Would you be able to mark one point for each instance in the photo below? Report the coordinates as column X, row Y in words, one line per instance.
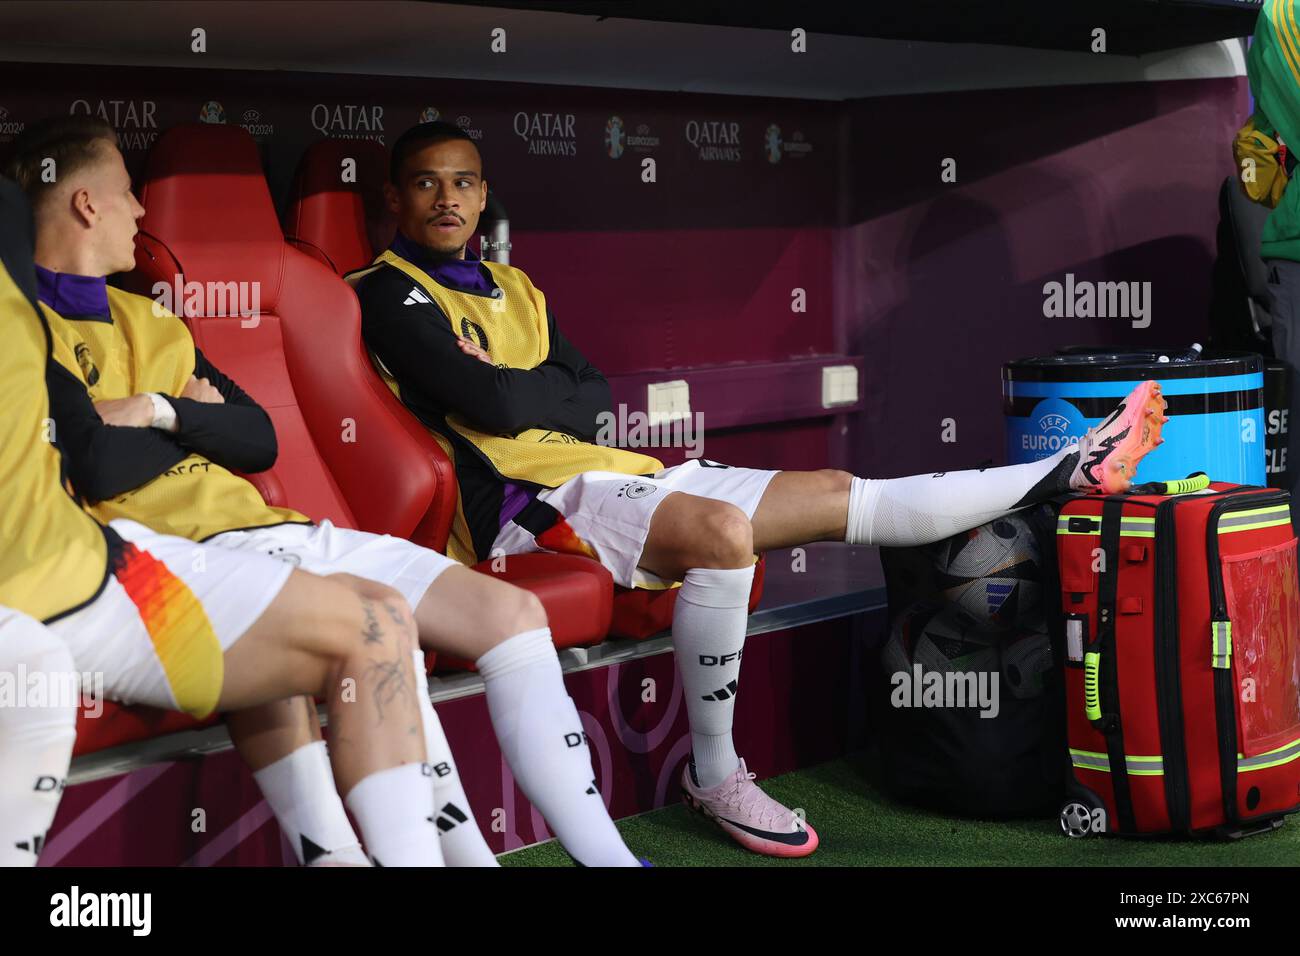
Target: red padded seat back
column 336, row 210
column 345, row 451
column 340, row 222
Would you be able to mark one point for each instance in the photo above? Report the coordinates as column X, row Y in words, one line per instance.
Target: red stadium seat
column 353, row 454
column 336, row 221
column 639, row 614
column 210, row 221
column 340, row 429
column 119, row 725
column 336, row 210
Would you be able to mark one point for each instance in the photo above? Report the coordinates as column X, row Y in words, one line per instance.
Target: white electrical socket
column 839, row 385
column 668, row 401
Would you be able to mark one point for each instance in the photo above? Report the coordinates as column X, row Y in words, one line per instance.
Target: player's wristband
column 164, row 416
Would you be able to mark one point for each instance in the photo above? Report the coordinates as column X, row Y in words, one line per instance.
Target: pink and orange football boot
column 1109, row 453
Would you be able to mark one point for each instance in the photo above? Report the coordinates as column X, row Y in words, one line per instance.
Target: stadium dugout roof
column 859, row 48
column 1134, row 26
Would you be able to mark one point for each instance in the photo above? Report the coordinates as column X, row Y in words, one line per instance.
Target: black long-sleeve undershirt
column 104, row 461
column 417, row 344
column 235, row 434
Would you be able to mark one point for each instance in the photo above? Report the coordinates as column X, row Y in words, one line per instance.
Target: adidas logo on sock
column 416, row 297
column 311, row 852
column 34, row 845
column 449, row 817
column 722, row 693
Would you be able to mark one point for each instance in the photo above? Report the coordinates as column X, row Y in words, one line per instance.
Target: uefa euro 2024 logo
column 772, row 143
column 212, row 112
column 1053, row 424
column 614, row 138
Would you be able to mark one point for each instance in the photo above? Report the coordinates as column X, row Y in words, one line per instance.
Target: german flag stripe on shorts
column 183, row 637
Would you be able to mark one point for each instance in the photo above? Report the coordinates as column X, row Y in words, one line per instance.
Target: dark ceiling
column 1132, row 26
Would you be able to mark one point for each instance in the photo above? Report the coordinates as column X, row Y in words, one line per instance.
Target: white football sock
column 708, row 637
column 462, row 840
column 921, row 509
column 394, row 809
column 300, row 789
column 35, row 741
column 542, row 739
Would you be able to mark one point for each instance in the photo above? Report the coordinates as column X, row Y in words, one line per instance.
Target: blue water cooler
column 1216, row 409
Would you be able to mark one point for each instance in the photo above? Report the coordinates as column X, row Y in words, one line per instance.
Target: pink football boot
column 748, row 815
column 1109, row 453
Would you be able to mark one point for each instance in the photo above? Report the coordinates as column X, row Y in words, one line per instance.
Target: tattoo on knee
column 392, row 682
column 370, row 630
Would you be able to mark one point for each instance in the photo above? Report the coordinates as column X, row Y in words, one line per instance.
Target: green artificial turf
column 859, row 826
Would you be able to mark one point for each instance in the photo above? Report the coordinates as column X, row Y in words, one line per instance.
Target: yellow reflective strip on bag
column 1089, row 760
column 1145, row 766
column 1139, row 766
column 1273, row 758
column 1254, row 519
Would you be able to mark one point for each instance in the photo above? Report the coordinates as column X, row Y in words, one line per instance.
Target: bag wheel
column 1076, row 820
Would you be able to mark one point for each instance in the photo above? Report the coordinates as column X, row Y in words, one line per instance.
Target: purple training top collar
column 470, row 275
column 467, row 274
column 73, row 296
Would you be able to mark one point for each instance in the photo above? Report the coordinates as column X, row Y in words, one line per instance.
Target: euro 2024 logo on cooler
column 1052, row 425
column 772, row 143
column 212, row 112
column 614, row 138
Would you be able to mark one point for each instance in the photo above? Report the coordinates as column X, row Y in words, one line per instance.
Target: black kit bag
column 950, row 758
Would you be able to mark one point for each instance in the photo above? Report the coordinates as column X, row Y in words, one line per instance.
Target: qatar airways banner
column 559, row 157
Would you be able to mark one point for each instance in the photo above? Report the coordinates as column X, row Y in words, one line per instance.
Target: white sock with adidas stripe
column 708, row 637
column 462, row 840
column 541, row 737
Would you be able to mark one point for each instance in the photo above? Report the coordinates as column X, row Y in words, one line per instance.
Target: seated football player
column 37, row 730
column 152, row 430
column 198, row 629
column 474, row 350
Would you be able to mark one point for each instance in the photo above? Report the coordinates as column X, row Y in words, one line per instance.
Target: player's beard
column 456, row 253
